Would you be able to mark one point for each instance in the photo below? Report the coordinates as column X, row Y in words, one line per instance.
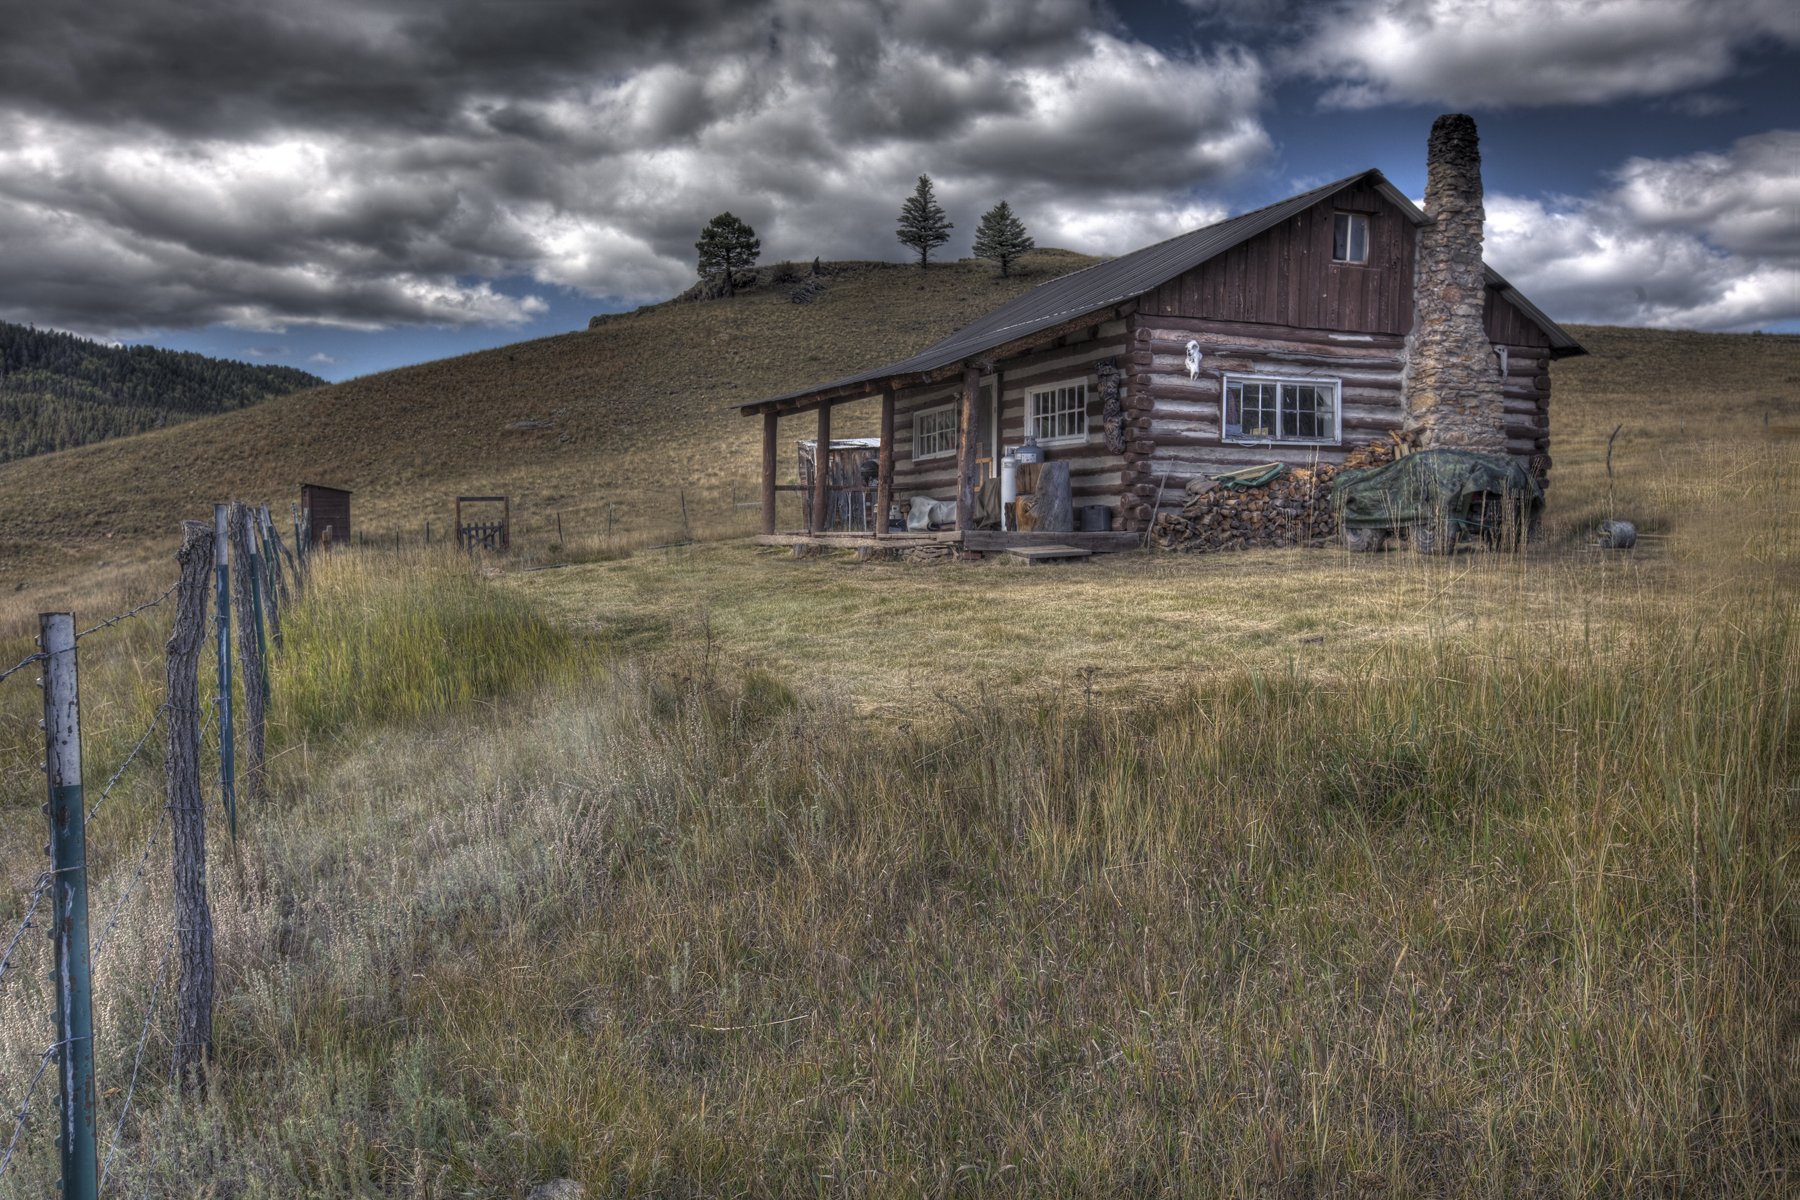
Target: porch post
column 965, row 449
column 822, row 470
column 768, row 475
column 884, row 480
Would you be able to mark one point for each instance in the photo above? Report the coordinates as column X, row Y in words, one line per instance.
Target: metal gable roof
column 1125, row 278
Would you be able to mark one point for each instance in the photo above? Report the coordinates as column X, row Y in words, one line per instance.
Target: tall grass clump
column 375, row 641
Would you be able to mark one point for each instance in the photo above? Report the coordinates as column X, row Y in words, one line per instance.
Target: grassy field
column 706, row 872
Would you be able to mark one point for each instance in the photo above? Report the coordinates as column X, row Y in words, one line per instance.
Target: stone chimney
column 1452, row 375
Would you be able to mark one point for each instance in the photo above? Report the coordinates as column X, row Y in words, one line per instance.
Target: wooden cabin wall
column 1284, row 276
column 1095, row 474
column 1175, row 419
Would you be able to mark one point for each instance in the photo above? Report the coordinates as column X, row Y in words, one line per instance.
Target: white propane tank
column 1009, row 484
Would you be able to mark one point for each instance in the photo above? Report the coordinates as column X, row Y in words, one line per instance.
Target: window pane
column 1340, row 239
column 1359, row 239
column 1234, row 409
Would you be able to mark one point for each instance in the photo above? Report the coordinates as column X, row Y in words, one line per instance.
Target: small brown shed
column 330, row 508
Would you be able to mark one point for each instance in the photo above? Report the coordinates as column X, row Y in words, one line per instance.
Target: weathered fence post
column 246, row 517
column 243, row 602
column 187, row 808
column 274, row 593
column 69, row 927
column 227, row 757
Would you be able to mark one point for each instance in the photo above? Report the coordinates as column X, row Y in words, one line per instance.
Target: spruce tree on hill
column 922, row 223
column 727, row 245
column 1002, row 238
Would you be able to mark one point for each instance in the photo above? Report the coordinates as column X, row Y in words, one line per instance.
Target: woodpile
column 1293, row 509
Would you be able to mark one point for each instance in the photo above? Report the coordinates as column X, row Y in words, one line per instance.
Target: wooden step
column 1032, row 555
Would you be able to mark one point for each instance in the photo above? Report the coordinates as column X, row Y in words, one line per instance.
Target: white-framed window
column 1350, row 238
column 1059, row 413
column 934, row 432
column 1259, row 408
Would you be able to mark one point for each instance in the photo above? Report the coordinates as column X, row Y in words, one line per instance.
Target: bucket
column 1096, row 518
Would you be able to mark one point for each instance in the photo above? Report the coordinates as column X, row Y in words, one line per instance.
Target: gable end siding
column 1285, row 276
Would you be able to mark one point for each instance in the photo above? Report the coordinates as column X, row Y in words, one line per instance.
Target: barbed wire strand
column 22, row 664
column 119, row 1129
column 36, row 897
column 130, row 887
column 25, row 1109
column 134, row 612
column 107, row 791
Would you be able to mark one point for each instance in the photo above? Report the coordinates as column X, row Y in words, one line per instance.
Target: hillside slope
column 632, row 412
column 631, row 419
column 58, row 391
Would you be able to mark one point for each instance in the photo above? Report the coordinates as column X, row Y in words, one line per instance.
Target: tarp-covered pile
column 1435, row 486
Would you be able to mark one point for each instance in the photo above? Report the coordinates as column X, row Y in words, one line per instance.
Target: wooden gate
column 486, row 535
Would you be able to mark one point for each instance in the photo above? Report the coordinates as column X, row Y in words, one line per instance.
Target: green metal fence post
column 222, row 560
column 69, row 926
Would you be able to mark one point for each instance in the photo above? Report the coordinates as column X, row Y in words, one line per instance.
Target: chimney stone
column 1453, row 384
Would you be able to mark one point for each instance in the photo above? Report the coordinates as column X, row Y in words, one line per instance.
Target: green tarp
column 1433, row 486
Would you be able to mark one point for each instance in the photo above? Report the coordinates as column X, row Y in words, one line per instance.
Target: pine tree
column 727, row 245
column 922, row 224
column 1002, row 237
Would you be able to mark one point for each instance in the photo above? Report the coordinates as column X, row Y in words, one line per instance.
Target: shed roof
column 326, row 487
column 1131, row 275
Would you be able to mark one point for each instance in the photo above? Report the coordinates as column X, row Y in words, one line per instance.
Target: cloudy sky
column 348, row 185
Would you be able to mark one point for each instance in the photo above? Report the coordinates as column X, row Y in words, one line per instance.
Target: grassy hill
column 58, row 391
column 633, row 411
column 630, row 419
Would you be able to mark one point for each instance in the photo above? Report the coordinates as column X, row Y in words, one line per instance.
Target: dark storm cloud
column 360, row 164
column 369, row 164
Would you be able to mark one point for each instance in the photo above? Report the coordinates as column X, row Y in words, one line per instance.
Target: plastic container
column 1096, row 518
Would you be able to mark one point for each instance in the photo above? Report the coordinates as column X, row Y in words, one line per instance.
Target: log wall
column 1095, row 474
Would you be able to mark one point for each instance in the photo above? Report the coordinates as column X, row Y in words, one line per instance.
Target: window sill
column 1234, row 440
column 1062, row 443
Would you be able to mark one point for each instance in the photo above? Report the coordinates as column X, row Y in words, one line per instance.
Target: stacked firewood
column 1293, row 509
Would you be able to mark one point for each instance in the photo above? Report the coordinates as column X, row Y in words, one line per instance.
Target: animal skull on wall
column 1193, row 360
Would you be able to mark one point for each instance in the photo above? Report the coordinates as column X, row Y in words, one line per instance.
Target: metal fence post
column 69, row 931
column 222, row 565
column 251, row 653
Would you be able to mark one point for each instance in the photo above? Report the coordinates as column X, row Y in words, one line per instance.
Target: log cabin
column 1290, row 333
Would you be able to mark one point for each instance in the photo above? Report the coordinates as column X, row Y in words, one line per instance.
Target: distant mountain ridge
column 58, row 391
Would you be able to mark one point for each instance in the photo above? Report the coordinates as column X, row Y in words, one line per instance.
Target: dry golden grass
column 868, row 880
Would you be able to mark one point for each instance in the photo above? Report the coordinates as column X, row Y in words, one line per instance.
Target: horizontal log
column 1164, row 327
column 1069, row 366
column 1168, row 356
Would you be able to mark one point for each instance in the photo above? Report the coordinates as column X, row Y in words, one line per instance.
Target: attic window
column 1350, row 238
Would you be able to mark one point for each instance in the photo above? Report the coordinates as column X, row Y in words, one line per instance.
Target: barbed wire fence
column 245, row 538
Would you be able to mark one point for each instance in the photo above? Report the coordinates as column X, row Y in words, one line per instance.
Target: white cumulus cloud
column 1707, row 241
column 1468, row 53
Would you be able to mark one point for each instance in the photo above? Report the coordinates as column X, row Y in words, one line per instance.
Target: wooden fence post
column 187, row 807
column 260, row 540
column 243, row 603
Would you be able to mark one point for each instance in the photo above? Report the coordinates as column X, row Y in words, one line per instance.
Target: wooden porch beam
column 965, row 448
column 822, row 471
column 884, row 481
column 770, row 418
